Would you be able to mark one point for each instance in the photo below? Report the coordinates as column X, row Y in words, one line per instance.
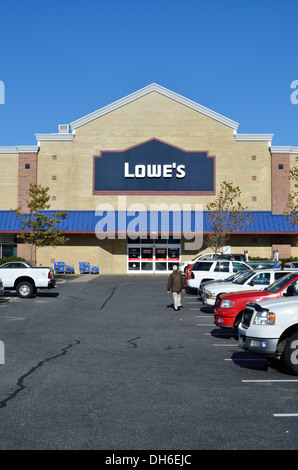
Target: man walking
column 176, row 285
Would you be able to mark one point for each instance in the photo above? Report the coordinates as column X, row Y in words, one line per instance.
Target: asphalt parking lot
column 105, row 362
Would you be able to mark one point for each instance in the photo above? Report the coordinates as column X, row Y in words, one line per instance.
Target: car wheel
column 290, row 354
column 25, row 290
column 237, row 321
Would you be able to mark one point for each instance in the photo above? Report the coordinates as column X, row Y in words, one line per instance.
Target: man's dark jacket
column 175, row 282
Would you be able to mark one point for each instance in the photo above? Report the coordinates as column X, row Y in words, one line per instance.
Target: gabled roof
column 163, row 91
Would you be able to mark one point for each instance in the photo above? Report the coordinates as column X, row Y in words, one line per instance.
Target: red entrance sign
column 173, row 254
column 147, row 254
column 161, row 254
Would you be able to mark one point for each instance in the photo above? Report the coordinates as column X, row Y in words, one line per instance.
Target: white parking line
column 14, row 318
column 272, row 380
column 285, row 415
column 245, row 360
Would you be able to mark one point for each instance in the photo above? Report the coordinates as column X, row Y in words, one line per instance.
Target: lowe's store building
column 136, row 177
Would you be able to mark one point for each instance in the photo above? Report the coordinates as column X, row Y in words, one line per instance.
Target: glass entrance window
column 147, row 259
column 161, row 259
column 134, row 255
column 173, row 257
column 154, row 256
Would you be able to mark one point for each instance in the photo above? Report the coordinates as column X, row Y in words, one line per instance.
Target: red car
column 229, row 307
column 187, row 273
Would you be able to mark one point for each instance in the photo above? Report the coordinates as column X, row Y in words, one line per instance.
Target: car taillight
column 188, row 271
column 50, row 275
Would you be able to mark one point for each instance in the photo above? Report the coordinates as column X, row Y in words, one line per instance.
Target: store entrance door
column 155, row 257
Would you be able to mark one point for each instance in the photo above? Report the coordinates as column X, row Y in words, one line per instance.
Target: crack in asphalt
column 131, row 341
column 110, row 296
column 20, row 382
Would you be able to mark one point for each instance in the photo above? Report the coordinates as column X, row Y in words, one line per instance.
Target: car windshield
column 235, row 276
column 277, row 285
column 242, row 279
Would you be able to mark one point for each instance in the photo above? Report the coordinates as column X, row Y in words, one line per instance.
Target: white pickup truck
column 25, row 279
column 270, row 328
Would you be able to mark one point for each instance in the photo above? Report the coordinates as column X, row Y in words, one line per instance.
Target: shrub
column 10, row 258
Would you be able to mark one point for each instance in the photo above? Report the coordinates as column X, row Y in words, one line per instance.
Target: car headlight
column 264, row 318
column 207, row 293
column 226, row 303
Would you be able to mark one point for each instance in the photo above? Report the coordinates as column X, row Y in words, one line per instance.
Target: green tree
column 226, row 214
column 292, row 207
column 40, row 229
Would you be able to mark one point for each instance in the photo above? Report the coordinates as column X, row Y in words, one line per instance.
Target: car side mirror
column 252, row 283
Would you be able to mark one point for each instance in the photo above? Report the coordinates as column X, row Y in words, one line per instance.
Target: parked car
column 1, row 287
column 270, row 328
column 26, row 279
column 203, row 271
column 205, row 256
column 254, row 280
column 232, row 256
column 230, row 307
column 267, row 264
column 187, row 273
column 61, row 267
column 291, row 264
column 86, row 267
column 233, row 277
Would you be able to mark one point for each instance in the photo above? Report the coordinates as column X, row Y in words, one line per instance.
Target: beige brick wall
column 108, row 255
column 153, row 115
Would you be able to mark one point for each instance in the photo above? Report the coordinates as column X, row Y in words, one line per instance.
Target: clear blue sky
column 62, row 59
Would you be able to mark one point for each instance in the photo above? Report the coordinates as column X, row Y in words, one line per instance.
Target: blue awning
column 264, row 222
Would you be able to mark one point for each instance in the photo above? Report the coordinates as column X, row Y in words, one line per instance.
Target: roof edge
column 19, row 149
column 149, row 89
column 254, row 138
column 283, row 149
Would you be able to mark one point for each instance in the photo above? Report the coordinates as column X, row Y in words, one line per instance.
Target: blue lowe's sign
column 154, row 166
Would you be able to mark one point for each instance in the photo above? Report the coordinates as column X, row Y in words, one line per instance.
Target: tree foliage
column 226, row 215
column 292, row 207
column 38, row 228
